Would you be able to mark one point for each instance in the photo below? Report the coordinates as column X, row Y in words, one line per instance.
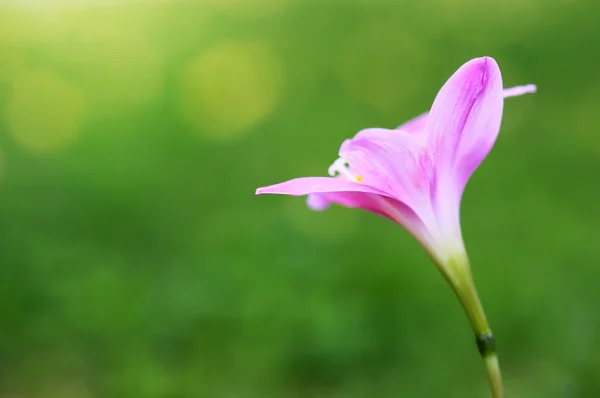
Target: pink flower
column 415, row 174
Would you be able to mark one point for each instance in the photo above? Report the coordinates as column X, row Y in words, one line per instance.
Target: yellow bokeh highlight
column 251, row 8
column 111, row 50
column 383, row 66
column 12, row 61
column 231, row 87
column 116, row 60
column 44, row 112
column 11, row 27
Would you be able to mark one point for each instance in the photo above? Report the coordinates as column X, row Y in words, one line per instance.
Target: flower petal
column 392, row 161
column 463, row 125
column 389, row 208
column 324, row 190
column 317, row 202
column 415, row 125
column 307, row 185
column 378, row 204
column 465, row 117
column 418, row 124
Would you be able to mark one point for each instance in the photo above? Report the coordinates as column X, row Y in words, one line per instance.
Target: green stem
column 458, row 273
column 494, row 376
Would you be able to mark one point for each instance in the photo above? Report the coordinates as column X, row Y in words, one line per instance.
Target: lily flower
column 415, row 174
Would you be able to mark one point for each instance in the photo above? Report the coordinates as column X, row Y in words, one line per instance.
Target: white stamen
column 340, row 167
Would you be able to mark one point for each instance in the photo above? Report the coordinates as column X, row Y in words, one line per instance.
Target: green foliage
column 137, row 262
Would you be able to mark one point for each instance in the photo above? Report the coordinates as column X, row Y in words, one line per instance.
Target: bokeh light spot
column 116, row 61
column 44, row 112
column 11, row 54
column 251, row 8
column 11, row 63
column 231, row 87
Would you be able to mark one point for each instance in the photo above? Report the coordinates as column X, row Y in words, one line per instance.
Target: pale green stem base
column 458, row 274
column 495, row 377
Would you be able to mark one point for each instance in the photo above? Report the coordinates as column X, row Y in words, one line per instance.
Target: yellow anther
column 358, row 178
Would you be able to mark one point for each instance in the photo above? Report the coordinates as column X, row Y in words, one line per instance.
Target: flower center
column 341, row 167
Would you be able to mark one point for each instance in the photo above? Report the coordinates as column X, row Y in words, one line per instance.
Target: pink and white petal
column 463, row 125
column 317, row 202
column 374, row 203
column 418, row 125
column 392, row 161
column 324, row 190
column 383, row 206
column 309, row 185
column 415, row 127
column 465, row 117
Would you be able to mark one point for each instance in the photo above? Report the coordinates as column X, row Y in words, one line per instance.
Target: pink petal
column 418, row 124
column 392, row 161
column 381, row 205
column 465, row 117
column 389, row 208
column 317, row 202
column 463, row 125
column 309, row 185
column 415, row 125
column 324, row 190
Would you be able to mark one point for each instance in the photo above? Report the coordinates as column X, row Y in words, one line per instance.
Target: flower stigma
column 341, row 167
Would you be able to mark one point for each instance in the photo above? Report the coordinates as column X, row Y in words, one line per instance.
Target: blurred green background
column 135, row 260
